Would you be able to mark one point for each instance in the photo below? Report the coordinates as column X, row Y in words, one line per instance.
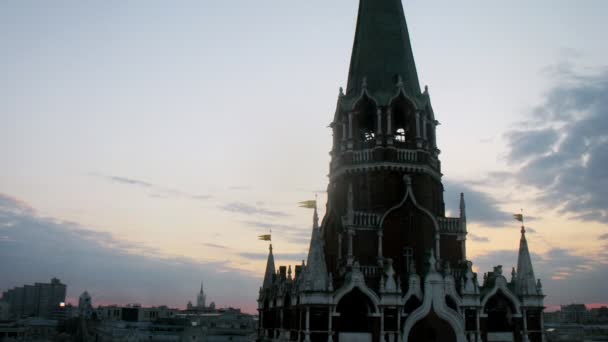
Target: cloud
column 240, row 188
column 566, row 276
column 297, row 257
column 530, row 230
column 246, row 209
column 565, row 155
column 156, row 191
column 603, row 237
column 530, row 143
column 481, row 207
column 35, row 249
column 213, row 245
column 477, row 238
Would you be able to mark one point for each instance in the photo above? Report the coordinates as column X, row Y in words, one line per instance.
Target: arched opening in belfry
column 355, row 310
column 404, row 122
column 500, row 311
column 364, row 130
column 432, row 329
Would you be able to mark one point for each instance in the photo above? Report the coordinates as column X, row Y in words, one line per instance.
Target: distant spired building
column 386, row 264
column 200, row 299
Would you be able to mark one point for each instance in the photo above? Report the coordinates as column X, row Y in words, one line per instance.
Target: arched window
column 364, row 130
column 404, row 122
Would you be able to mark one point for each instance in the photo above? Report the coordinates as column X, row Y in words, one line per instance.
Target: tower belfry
column 386, row 263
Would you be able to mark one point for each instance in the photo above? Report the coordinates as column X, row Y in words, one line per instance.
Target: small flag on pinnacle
column 265, row 237
column 519, row 217
column 308, row 204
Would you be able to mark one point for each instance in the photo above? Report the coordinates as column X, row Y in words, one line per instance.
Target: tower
column 201, row 298
column 386, row 264
column 85, row 305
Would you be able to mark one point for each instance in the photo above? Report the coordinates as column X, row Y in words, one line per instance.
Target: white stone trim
column 500, row 283
column 434, row 299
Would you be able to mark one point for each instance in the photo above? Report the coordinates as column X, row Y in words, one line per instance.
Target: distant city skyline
column 146, row 145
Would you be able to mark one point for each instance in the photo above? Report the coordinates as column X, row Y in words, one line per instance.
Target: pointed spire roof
column 270, row 270
column 526, row 281
column 382, row 53
column 316, row 277
column 202, row 287
column 463, row 206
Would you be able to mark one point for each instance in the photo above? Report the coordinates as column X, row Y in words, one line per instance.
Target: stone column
column 379, row 129
column 282, row 324
column 524, row 315
column 379, row 244
column 417, row 125
column 350, row 125
column 340, row 246
column 464, row 249
column 349, row 144
column 399, row 336
column 307, row 331
column 382, row 337
column 350, row 246
column 329, row 324
column 478, row 337
column 261, row 325
column 542, row 327
column 424, row 135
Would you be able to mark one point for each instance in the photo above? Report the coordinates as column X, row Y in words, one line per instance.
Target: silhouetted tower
column 386, row 264
column 385, row 191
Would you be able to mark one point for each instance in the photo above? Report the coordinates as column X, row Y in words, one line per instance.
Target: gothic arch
column 500, row 286
column 434, row 303
column 365, row 123
column 356, row 309
column 420, row 231
column 404, row 125
column 348, row 288
column 402, row 94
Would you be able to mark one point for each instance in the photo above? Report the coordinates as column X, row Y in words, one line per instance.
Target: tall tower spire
column 201, row 298
column 382, row 52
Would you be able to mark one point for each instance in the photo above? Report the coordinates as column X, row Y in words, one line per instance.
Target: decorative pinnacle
column 462, row 206
column 408, row 180
column 432, row 262
column 399, row 81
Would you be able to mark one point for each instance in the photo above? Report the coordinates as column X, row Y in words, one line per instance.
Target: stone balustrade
column 366, row 219
column 450, row 225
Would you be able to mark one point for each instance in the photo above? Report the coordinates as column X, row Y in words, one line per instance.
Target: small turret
column 315, row 274
column 526, row 281
column 269, row 276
